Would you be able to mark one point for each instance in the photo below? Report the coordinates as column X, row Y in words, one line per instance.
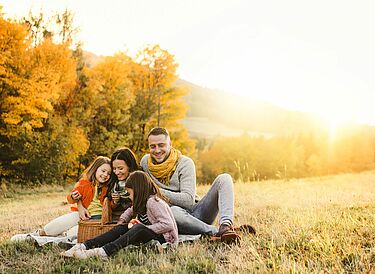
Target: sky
column 313, row 56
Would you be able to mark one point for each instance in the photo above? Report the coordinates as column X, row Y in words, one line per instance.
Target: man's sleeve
column 185, row 198
column 143, row 163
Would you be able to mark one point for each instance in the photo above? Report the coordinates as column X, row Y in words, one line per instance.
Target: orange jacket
column 87, row 190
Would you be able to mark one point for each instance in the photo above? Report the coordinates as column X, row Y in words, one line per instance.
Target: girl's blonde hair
column 143, row 187
column 89, row 173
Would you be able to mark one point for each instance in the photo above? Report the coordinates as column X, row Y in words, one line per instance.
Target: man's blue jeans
column 219, row 199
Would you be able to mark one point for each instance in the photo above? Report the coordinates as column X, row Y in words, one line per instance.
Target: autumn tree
column 12, row 57
column 158, row 102
column 34, row 79
column 103, row 106
column 56, row 113
column 59, row 27
column 65, row 31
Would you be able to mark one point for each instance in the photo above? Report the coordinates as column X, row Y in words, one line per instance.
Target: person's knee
column 179, row 213
column 224, row 179
column 139, row 227
column 138, row 230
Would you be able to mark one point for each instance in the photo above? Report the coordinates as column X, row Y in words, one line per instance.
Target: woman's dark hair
column 127, row 156
column 143, row 187
column 89, row 173
column 130, row 160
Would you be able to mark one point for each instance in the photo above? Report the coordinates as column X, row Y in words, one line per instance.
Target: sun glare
column 333, row 125
column 335, row 120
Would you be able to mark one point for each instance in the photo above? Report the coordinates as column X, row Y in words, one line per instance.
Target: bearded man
column 175, row 174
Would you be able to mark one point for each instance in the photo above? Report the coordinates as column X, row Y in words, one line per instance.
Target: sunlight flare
column 335, row 120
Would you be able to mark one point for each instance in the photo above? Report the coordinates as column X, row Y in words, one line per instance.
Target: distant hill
column 92, row 59
column 215, row 112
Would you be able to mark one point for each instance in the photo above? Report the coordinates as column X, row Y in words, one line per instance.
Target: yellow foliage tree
column 102, row 107
column 33, row 80
column 157, row 101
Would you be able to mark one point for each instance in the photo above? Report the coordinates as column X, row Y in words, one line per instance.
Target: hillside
column 219, row 113
column 92, row 59
column 216, row 112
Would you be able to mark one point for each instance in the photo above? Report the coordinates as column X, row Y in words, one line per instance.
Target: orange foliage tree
column 158, row 102
column 56, row 113
column 33, row 81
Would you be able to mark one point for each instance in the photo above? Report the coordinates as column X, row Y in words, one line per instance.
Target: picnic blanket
column 72, row 240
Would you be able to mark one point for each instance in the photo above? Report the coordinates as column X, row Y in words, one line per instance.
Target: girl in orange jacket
column 91, row 187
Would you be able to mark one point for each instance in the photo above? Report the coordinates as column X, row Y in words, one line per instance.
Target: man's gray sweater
column 181, row 190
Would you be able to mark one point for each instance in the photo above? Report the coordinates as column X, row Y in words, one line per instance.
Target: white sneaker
column 24, row 237
column 20, row 237
column 70, row 252
column 96, row 252
column 35, row 233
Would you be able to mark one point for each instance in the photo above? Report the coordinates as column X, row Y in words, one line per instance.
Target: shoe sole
column 245, row 229
column 215, row 238
column 230, row 238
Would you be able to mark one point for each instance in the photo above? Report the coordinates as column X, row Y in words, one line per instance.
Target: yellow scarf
column 164, row 171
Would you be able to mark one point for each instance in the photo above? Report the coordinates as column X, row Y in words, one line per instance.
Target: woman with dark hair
column 123, row 162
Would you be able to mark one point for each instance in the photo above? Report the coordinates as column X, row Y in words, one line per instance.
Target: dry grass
column 312, row 225
column 30, row 210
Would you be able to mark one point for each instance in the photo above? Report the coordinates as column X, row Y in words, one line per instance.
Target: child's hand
column 75, row 195
column 120, row 222
column 83, row 212
column 115, row 197
column 133, row 222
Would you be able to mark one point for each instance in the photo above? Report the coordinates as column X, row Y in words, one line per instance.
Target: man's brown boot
column 246, row 229
column 227, row 234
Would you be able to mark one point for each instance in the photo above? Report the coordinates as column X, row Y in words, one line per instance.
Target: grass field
column 319, row 225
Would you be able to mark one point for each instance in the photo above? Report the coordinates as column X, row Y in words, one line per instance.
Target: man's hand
column 116, row 197
column 76, row 196
column 83, row 212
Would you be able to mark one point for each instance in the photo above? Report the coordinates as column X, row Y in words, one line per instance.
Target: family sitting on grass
column 168, row 177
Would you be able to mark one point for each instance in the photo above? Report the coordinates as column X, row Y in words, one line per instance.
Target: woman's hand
column 75, row 195
column 83, row 212
column 116, row 197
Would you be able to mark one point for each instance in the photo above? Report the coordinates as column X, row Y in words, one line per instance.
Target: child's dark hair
column 89, row 173
column 143, row 187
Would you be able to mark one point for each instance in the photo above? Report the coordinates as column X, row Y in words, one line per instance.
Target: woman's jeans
column 121, row 236
column 219, row 198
